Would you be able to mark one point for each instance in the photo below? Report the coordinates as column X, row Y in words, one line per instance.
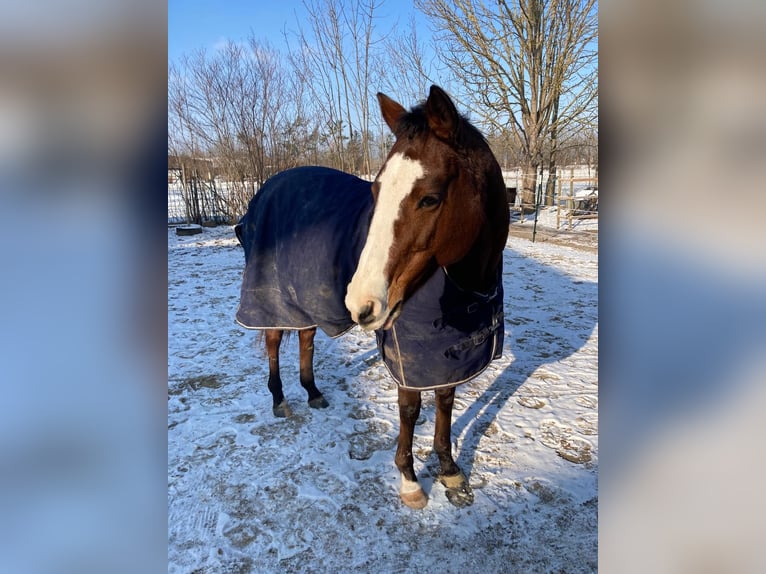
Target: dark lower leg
column 409, row 411
column 273, row 340
column 443, row 431
column 458, row 490
column 306, row 351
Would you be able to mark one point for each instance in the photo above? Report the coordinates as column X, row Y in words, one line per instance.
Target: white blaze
column 369, row 283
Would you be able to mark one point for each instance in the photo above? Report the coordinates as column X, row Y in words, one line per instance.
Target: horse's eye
column 429, row 201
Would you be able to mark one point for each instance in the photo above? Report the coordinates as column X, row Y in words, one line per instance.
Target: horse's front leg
column 409, row 410
column 306, row 347
column 458, row 490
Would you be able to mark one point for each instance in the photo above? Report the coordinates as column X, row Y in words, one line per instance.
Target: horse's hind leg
column 458, row 490
column 409, row 409
column 273, row 340
column 306, row 346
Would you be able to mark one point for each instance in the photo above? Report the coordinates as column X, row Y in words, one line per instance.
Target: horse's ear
column 442, row 114
column 392, row 111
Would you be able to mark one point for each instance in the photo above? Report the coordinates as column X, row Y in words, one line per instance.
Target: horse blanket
column 303, row 233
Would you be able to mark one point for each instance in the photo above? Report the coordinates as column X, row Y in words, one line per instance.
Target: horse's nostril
column 366, row 312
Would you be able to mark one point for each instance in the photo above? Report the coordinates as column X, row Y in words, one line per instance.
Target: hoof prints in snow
column 370, row 436
column 531, row 402
column 565, row 442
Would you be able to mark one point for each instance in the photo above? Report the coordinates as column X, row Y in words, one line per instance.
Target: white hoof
column 412, row 495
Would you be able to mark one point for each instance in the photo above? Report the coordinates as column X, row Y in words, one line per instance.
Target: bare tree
column 528, row 67
column 230, row 107
column 334, row 59
column 405, row 72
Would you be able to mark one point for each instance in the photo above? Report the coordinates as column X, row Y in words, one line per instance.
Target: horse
column 415, row 256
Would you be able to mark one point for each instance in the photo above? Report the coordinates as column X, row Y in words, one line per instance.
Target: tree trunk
column 528, row 187
column 551, row 185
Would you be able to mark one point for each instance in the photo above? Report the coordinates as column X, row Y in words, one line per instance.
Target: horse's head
column 429, row 206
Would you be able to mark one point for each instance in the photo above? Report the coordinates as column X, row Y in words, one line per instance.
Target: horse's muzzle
column 372, row 314
column 366, row 314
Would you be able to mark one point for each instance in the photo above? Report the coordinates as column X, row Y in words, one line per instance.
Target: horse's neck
column 477, row 271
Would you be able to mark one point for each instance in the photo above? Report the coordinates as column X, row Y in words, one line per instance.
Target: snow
column 586, row 192
column 318, row 491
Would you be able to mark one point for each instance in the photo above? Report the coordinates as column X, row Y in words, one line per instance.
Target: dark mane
column 415, row 123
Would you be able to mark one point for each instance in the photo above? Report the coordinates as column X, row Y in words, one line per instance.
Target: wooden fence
column 198, row 197
column 576, row 207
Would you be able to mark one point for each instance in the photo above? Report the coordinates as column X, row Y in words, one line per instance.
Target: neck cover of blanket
column 303, row 234
column 445, row 335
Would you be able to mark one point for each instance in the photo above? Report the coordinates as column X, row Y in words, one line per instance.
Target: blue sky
column 194, row 24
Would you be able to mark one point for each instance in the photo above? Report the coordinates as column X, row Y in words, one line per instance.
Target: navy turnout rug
column 303, row 233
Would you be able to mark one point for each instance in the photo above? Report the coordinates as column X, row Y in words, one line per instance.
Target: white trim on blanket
column 292, row 328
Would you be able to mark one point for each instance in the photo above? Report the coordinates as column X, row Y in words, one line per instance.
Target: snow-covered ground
column 318, row 492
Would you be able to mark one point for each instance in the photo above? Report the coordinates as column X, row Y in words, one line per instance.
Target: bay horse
column 416, row 256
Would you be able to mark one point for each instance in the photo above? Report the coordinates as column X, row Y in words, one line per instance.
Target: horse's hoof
column 458, row 491
column 282, row 410
column 412, row 494
column 416, row 499
column 318, row 403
